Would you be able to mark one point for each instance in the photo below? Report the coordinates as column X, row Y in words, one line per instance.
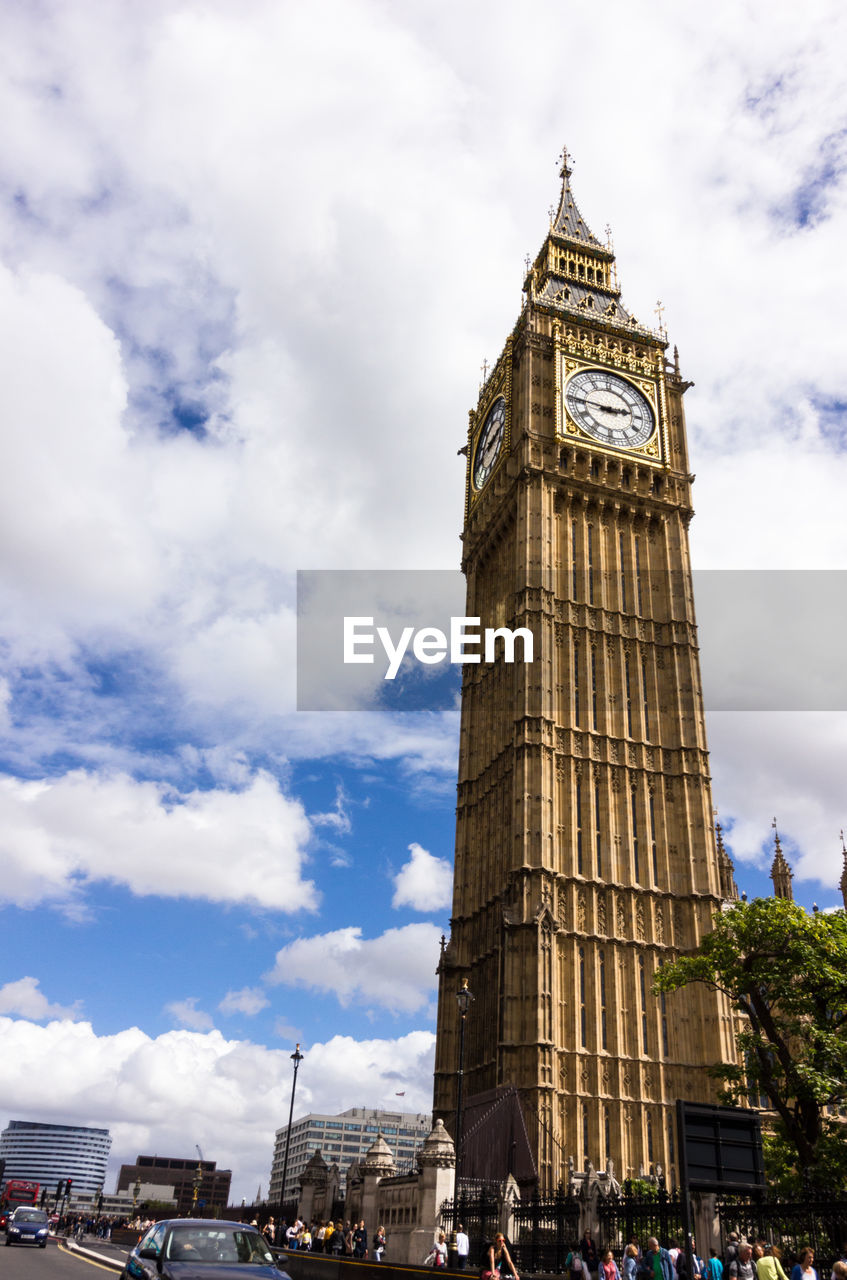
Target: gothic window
column 650, row 1139
column 573, row 559
column 590, row 564
column 583, row 1016
column 595, row 469
column 597, row 836
column 639, row 597
column 645, row 702
column 653, row 849
column 642, row 985
column 585, row 1151
column 564, row 459
column 576, row 683
column 579, row 828
column 593, row 687
column 607, row 1132
column 623, row 573
column 604, row 1038
column 628, row 680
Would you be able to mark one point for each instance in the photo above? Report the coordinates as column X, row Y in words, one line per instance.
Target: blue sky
column 251, row 262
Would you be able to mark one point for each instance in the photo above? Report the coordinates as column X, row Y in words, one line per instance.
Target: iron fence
column 477, row 1208
column 818, row 1221
column 635, row 1216
column 545, row 1232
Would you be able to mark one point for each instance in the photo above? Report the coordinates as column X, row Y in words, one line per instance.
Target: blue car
column 202, row 1249
column 27, row 1225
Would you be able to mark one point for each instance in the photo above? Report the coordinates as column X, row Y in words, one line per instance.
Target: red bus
column 16, row 1192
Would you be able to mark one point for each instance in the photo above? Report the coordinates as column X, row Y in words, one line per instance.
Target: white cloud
column 227, row 1095
column 249, row 1001
column 790, row 765
column 186, row 1014
column 222, row 846
column 424, row 883
column 395, row 971
column 25, row 999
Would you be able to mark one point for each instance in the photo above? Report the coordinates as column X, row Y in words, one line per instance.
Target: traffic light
column 43, row 1196
column 68, row 1187
column 60, row 1186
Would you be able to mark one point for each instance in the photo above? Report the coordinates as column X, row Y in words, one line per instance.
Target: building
column 177, row 1179
column 585, row 850
column 50, row 1153
column 342, row 1139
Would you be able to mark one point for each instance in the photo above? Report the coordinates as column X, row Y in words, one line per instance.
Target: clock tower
column 585, row 851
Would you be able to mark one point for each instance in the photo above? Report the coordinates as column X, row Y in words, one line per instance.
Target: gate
column 545, row 1232
column 477, row 1208
column 636, row 1216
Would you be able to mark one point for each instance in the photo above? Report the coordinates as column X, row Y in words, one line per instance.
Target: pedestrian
column 803, row 1268
column 360, row 1241
column 269, row 1230
column 630, row 1262
column 714, row 1267
column 656, row 1263
column 379, row 1243
column 590, row 1256
column 769, row 1267
column 336, row 1240
column 499, row 1260
column 743, row 1267
column 348, row 1239
column 463, row 1247
column 608, row 1267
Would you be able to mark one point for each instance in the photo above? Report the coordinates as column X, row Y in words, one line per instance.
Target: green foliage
column 786, row 971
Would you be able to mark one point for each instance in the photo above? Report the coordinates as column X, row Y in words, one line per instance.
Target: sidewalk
column 104, row 1251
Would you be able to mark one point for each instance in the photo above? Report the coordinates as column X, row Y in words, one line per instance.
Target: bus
column 17, row 1191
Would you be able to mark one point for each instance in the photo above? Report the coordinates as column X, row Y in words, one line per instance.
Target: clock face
column 489, row 443
column 609, row 408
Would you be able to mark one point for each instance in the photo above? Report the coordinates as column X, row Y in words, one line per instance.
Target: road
column 27, row 1262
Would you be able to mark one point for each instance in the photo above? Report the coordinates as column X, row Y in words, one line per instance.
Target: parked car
column 214, row 1250
column 28, row 1225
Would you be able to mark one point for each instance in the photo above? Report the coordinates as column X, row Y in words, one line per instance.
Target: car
column 28, row 1224
column 203, row 1249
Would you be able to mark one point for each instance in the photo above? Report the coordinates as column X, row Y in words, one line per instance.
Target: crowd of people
column 742, row 1260
column 339, row 1238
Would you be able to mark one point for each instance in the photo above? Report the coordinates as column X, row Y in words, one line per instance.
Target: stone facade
column 585, row 848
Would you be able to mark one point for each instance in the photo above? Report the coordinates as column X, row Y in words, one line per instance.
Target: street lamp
column 463, row 998
column 296, row 1058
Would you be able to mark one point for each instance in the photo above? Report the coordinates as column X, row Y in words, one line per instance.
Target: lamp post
column 296, row 1058
column 463, row 998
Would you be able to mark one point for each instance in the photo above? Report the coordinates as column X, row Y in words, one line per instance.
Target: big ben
column 585, row 850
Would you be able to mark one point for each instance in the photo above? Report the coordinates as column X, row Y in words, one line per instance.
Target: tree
column 786, row 972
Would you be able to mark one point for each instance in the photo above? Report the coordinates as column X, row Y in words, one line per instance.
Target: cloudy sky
column 252, row 257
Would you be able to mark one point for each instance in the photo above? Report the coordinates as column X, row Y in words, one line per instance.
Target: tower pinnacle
column 781, row 873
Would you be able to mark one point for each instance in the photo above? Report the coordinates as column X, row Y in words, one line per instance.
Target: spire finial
column 781, row 873
column 566, row 162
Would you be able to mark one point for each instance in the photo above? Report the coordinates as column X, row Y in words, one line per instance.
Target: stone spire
column 569, row 222
column 843, row 881
column 726, row 871
column 574, row 273
column 781, row 873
